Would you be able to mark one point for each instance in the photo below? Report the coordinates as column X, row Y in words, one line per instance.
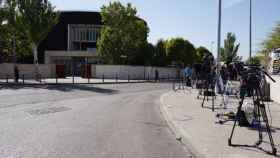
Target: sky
column 196, row 20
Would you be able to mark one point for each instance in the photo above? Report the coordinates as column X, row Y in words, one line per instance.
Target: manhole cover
column 48, row 110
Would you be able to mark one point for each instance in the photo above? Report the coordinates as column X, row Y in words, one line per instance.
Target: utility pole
column 219, row 34
column 250, row 30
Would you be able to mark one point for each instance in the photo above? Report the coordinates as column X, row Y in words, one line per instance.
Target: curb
column 176, row 130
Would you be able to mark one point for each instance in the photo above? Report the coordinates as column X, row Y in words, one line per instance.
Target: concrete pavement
column 198, row 129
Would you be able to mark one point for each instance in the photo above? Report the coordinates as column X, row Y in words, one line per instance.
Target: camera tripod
column 208, row 90
column 260, row 110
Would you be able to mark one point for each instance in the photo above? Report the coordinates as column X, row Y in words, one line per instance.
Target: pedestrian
column 156, row 75
column 188, row 75
column 16, row 73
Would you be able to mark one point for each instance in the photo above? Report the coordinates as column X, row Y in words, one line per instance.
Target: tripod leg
column 265, row 119
column 213, row 98
column 235, row 121
column 232, row 131
column 259, row 121
column 203, row 100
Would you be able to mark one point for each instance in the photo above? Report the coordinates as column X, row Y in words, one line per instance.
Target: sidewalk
column 274, row 88
column 196, row 127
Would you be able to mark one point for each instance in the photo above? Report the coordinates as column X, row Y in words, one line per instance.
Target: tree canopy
column 27, row 23
column 273, row 40
column 11, row 32
column 229, row 52
column 180, row 51
column 160, row 55
column 37, row 17
column 256, row 60
column 200, row 53
column 123, row 34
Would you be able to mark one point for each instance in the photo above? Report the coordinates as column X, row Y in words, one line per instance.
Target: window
column 85, row 33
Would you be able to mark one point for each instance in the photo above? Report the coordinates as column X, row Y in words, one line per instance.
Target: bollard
column 116, row 78
column 73, row 79
column 7, row 78
column 23, row 79
column 40, row 78
column 103, row 78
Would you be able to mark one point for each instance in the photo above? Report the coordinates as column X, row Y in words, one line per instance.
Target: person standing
column 16, row 73
column 156, row 75
column 188, row 75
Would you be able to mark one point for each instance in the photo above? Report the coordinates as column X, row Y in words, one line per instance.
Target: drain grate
column 48, row 110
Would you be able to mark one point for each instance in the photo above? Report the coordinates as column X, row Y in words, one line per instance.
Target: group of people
column 199, row 72
column 229, row 72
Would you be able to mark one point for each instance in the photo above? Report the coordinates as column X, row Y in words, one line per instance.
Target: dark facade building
column 73, row 38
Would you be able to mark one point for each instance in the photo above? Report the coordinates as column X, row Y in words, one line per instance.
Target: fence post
column 23, row 79
column 40, row 78
column 73, row 79
column 7, row 78
column 103, row 78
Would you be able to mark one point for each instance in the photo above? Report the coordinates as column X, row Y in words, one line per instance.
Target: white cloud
column 231, row 3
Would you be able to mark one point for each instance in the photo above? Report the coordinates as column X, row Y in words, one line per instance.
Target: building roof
column 80, row 17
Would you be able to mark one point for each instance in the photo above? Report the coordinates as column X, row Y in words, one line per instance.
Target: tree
column 200, row 53
column 273, row 41
column 180, row 51
column 160, row 55
column 229, row 52
column 37, row 17
column 258, row 59
column 145, row 56
column 14, row 43
column 123, row 33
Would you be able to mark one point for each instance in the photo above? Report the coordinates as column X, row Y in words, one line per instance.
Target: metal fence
column 79, row 80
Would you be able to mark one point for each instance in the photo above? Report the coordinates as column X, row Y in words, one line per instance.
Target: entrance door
column 86, row 71
column 77, row 64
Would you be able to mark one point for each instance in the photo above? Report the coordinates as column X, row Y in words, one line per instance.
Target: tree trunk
column 35, row 60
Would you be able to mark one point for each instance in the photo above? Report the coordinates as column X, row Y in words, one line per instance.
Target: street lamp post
column 250, row 30
column 219, row 34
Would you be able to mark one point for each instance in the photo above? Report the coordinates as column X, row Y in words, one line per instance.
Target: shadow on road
column 63, row 88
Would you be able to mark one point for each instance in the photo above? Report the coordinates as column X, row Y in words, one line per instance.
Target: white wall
column 109, row 71
column 134, row 72
column 28, row 70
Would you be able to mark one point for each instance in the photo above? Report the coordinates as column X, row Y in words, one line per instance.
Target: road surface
column 104, row 121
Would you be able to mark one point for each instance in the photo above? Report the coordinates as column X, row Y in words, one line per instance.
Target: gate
column 60, row 71
column 86, row 71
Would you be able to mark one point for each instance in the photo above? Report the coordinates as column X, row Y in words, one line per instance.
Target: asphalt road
column 104, row 121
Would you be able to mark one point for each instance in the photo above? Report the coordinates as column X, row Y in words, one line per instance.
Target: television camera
column 253, row 77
